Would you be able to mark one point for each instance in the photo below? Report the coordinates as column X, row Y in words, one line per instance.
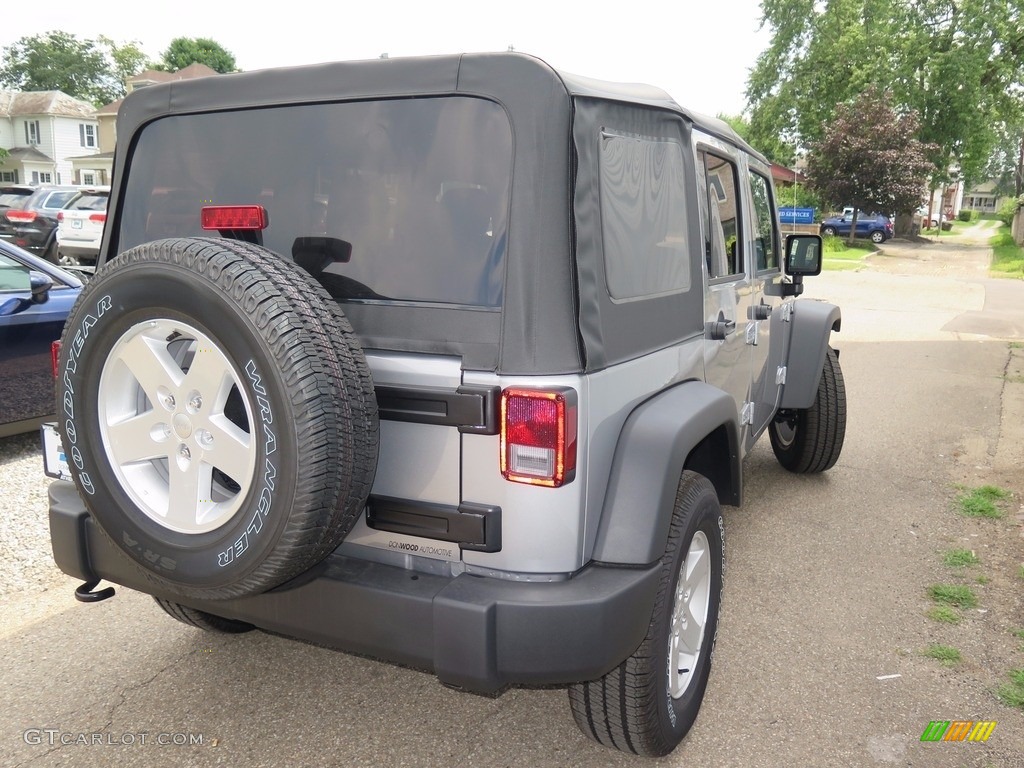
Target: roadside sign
column 791, row 215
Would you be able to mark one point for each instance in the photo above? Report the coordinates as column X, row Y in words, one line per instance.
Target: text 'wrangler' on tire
column 452, row 362
column 215, row 415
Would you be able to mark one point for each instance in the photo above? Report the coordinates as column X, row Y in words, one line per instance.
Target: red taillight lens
column 538, row 436
column 54, row 354
column 60, row 215
column 21, row 217
column 99, row 218
column 234, row 217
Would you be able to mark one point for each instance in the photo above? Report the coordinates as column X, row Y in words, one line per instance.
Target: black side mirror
column 803, row 255
column 40, row 285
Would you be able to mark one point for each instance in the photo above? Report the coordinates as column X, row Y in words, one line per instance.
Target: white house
column 41, row 132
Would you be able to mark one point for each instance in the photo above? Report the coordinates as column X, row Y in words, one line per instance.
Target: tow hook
column 85, row 594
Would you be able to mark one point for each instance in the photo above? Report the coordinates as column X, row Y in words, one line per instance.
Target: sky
column 700, row 52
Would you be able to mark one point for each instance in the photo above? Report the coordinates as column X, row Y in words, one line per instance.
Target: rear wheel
column 878, row 236
column 829, row 231
column 811, row 439
column 648, row 703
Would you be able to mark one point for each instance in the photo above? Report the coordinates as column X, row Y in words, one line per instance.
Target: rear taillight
column 99, row 218
column 227, row 217
column 538, row 436
column 21, row 217
column 60, row 215
column 54, row 354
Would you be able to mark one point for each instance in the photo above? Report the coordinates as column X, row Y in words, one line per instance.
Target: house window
column 88, row 178
column 87, row 133
column 42, row 178
column 32, row 132
column 9, row 176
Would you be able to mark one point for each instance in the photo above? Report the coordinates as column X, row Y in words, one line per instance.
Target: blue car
column 35, row 297
column 874, row 226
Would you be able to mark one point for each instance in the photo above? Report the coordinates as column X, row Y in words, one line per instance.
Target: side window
column 13, row 275
column 723, row 250
column 766, row 248
column 643, row 217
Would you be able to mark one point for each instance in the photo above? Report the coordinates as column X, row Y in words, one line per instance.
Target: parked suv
column 32, row 222
column 80, row 227
column 448, row 361
column 875, row 226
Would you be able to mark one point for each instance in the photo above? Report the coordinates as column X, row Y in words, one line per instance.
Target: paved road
column 818, row 660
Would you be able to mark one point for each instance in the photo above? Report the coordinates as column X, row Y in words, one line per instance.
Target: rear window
column 10, row 199
column 90, row 201
column 418, row 187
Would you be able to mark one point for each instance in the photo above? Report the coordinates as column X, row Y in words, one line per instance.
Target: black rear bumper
column 481, row 634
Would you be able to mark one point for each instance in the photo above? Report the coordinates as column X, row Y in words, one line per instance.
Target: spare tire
column 218, row 415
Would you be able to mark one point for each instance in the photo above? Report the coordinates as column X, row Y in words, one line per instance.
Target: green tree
column 184, row 51
column 771, row 147
column 958, row 63
column 56, row 61
column 125, row 59
column 869, row 157
column 91, row 70
column 1006, row 163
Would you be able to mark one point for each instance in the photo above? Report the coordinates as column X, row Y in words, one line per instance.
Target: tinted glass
column 90, row 202
column 13, row 199
column 418, row 187
column 642, row 217
column 13, row 275
column 723, row 251
column 57, row 199
column 765, row 244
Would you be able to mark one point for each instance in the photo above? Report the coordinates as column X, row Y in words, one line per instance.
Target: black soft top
column 538, row 329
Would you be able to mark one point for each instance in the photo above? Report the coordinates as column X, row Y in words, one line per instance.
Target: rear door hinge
column 780, row 375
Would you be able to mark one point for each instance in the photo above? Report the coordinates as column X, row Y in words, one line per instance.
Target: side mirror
column 40, row 285
column 803, row 255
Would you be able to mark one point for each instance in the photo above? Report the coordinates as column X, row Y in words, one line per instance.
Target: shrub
column 967, row 215
column 1008, row 209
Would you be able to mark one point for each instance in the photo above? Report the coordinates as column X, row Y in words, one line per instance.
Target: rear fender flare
column 653, row 448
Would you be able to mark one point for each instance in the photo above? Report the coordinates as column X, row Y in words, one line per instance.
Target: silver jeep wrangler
column 447, row 361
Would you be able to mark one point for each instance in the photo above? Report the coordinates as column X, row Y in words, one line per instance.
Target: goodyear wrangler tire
column 217, row 413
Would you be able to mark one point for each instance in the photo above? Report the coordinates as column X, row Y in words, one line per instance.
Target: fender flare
column 651, row 453
column 813, row 322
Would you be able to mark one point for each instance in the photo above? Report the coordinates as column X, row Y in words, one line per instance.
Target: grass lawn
column 840, row 255
column 1007, row 256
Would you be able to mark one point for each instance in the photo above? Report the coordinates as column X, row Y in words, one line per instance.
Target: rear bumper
column 480, row 634
column 78, row 250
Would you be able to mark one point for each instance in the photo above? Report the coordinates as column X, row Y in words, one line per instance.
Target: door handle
column 719, row 329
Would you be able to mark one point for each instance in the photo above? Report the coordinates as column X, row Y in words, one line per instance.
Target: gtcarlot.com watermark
column 55, row 737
